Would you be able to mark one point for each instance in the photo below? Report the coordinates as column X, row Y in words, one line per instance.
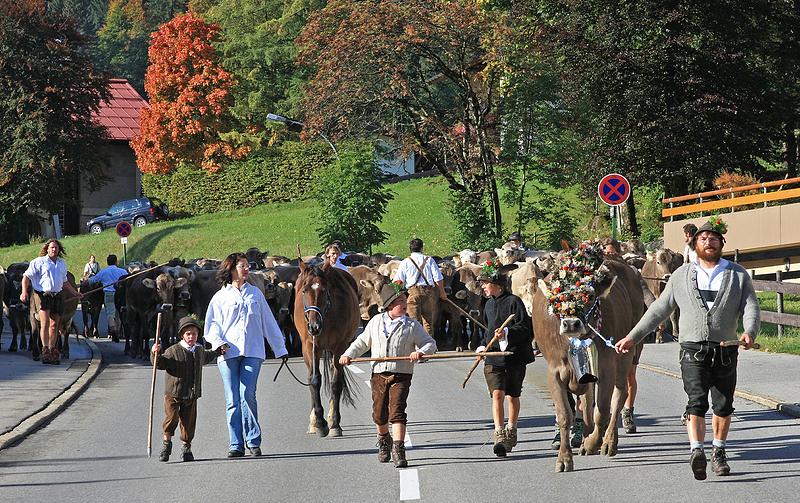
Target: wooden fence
column 780, row 288
column 699, row 202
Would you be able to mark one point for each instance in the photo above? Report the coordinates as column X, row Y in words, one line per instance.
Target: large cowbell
column 583, row 358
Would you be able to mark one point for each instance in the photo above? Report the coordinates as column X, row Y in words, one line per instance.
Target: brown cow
column 619, row 305
column 369, row 283
column 659, row 266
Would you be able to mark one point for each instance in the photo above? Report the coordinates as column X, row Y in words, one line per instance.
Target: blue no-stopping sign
column 614, row 189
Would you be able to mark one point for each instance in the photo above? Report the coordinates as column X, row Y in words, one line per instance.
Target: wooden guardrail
column 780, row 288
column 701, row 205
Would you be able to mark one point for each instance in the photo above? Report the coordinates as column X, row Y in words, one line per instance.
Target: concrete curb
column 58, row 404
column 789, row 409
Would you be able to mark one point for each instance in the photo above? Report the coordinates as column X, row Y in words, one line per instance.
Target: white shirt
column 341, row 266
column 243, row 319
column 689, row 255
column 185, row 345
column 408, row 273
column 45, row 275
column 389, row 324
column 709, row 281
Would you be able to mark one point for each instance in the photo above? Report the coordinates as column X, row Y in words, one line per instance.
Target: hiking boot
column 627, row 420
column 234, row 453
column 719, row 462
column 384, row 448
column 698, row 463
column 399, row 454
column 511, row 438
column 500, row 443
column 55, row 356
column 166, row 450
column 45, row 355
column 556, row 445
column 576, row 433
column 187, row 452
column 254, row 451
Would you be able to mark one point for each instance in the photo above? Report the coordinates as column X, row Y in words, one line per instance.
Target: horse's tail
column 349, row 389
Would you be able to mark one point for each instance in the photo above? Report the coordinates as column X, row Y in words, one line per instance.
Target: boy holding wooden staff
column 391, row 333
column 183, row 386
column 504, row 374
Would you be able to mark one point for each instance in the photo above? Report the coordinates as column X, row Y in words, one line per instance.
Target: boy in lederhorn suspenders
column 423, row 280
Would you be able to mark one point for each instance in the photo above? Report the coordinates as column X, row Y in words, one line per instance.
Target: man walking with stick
column 711, row 293
column 109, row 277
column 504, row 374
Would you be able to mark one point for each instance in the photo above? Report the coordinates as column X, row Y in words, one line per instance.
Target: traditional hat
column 715, row 225
column 515, row 236
column 391, row 292
column 188, row 321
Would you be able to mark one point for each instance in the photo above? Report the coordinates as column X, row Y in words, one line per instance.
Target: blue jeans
column 240, row 377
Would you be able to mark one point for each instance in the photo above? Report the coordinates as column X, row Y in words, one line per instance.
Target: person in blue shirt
column 109, row 277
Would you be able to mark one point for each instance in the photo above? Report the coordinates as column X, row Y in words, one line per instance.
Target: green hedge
column 275, row 174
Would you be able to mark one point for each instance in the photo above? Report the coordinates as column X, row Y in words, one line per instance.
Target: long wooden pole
column 466, row 314
column 125, row 278
column 483, row 353
column 727, row 344
column 153, row 391
column 431, row 357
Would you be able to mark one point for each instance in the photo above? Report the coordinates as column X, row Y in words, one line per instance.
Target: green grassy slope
column 417, row 210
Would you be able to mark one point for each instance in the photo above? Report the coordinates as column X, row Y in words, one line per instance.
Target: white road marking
column 409, row 484
column 407, row 441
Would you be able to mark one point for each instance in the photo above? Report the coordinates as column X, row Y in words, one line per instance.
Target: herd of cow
column 183, row 287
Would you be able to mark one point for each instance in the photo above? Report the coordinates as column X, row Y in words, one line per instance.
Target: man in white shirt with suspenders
column 422, row 278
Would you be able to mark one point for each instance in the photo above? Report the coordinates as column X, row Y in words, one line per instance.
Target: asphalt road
column 96, row 449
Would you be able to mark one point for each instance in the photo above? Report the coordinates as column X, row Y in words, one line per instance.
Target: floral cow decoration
column 572, row 280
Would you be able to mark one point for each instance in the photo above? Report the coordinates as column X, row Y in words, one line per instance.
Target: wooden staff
column 466, row 314
column 125, row 278
column 431, row 357
column 494, row 339
column 727, row 344
column 153, row 391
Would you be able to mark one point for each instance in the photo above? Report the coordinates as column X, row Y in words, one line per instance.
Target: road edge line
column 57, row 405
column 789, row 409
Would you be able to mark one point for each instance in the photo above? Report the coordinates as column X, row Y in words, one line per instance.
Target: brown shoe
column 399, row 454
column 719, row 462
column 500, row 447
column 384, row 448
column 510, row 440
column 55, row 356
column 627, row 420
column 45, row 355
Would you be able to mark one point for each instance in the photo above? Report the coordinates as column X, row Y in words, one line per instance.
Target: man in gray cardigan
column 711, row 293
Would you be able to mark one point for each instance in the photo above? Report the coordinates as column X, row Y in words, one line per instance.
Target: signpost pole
column 613, row 222
column 125, row 254
column 123, row 231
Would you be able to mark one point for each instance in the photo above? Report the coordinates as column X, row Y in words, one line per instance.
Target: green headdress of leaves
column 717, row 225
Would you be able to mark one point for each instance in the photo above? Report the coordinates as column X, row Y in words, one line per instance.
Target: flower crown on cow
column 573, row 277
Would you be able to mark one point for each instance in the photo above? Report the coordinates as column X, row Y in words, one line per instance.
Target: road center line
column 409, row 484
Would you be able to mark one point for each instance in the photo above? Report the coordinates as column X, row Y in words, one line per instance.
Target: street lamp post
column 297, row 126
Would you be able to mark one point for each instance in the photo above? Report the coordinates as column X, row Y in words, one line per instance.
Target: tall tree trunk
column 632, row 223
column 791, row 149
column 498, row 217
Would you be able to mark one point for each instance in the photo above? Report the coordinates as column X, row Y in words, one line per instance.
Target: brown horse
column 326, row 315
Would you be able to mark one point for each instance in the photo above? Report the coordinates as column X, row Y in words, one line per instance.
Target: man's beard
column 710, row 255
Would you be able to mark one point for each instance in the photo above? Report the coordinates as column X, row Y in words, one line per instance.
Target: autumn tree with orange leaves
column 190, row 95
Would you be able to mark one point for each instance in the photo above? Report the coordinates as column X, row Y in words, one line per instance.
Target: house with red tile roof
column 120, row 116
